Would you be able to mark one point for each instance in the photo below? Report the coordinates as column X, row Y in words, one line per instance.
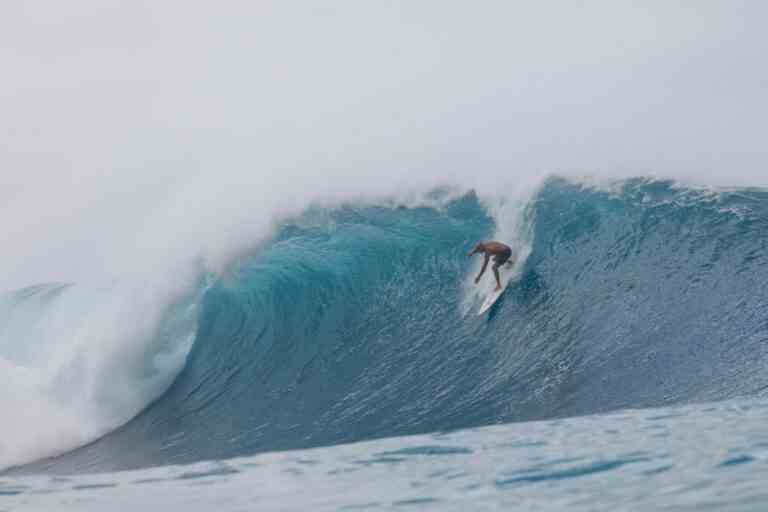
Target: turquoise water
column 341, row 365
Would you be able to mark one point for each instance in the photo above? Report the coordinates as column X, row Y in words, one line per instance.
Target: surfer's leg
column 496, row 273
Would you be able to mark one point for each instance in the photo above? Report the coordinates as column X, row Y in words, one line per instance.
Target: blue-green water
column 351, row 325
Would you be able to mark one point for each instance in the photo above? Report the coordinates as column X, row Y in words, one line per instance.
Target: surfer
column 501, row 254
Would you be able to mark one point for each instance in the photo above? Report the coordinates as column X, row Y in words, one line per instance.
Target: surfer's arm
column 482, row 270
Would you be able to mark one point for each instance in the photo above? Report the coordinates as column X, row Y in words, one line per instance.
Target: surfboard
column 491, row 299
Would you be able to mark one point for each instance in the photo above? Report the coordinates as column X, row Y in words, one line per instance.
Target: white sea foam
column 78, row 361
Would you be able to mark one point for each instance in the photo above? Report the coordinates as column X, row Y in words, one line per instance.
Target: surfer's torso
column 500, row 252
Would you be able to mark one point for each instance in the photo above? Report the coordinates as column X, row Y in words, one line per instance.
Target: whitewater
column 235, row 272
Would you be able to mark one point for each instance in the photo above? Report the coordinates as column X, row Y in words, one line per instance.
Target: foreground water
column 701, row 457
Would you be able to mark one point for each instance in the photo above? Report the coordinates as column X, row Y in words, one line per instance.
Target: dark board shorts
column 502, row 257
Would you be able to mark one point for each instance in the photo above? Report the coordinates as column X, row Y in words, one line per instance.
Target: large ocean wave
column 359, row 321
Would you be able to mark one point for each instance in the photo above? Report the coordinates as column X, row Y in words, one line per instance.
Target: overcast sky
column 124, row 123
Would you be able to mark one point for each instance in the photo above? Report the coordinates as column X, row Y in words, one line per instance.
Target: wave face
column 350, row 324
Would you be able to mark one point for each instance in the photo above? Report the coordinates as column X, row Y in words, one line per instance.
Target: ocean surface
column 341, row 365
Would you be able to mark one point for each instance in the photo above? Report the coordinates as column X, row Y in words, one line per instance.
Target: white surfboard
column 491, row 299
